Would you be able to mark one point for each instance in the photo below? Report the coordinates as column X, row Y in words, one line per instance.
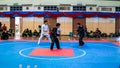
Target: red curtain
column 117, row 15
column 89, row 14
column 54, row 15
column 105, row 15
column 76, row 14
column 60, row 14
column 25, row 14
column 7, row 15
column 38, row 15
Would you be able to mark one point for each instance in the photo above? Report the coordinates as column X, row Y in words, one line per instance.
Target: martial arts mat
column 94, row 54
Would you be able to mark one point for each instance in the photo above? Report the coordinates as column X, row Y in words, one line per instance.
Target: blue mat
column 91, row 55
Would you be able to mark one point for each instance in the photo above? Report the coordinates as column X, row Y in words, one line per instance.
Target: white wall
column 94, row 8
column 66, row 24
column 36, row 8
column 57, row 2
column 31, row 8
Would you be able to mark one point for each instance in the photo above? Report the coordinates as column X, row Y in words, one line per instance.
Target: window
column 50, row 7
column 1, row 8
column 64, row 8
column 106, row 9
column 15, row 8
column 79, row 8
column 117, row 8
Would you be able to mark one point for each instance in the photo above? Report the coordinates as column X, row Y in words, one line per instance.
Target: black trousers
column 55, row 40
column 81, row 43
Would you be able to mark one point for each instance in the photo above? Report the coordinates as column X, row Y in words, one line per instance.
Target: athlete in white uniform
column 44, row 32
column 118, row 39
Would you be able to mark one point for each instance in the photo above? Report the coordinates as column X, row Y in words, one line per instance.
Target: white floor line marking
column 20, row 52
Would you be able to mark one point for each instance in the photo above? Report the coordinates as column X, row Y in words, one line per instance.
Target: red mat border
column 64, row 40
column 116, row 43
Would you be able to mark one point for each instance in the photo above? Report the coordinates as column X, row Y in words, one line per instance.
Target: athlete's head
column 78, row 23
column 57, row 24
column 45, row 22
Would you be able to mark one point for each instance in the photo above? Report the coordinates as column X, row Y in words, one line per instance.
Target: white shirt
column 44, row 29
column 58, row 30
column 118, row 39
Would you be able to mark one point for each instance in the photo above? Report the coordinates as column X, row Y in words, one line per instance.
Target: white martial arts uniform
column 44, row 32
column 118, row 39
column 59, row 31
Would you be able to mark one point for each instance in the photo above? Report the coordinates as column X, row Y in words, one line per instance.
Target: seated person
column 91, row 34
column 35, row 33
column 10, row 32
column 97, row 33
column 104, row 35
column 4, row 35
column 70, row 35
column 30, row 33
column 24, row 34
column 1, row 31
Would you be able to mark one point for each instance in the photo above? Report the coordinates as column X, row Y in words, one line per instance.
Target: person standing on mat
column 44, row 32
column 80, row 31
column 54, row 36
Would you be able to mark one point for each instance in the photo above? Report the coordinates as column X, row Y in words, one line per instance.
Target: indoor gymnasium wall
column 38, row 21
column 107, row 25
column 117, row 25
column 58, row 2
column 6, row 21
column 91, row 24
column 51, row 22
column 66, row 25
column 28, row 22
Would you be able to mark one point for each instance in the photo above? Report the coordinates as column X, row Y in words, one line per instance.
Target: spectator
column 30, row 33
column 91, row 34
column 39, row 28
column 97, row 33
column 35, row 33
column 11, row 32
column 24, row 34
column 0, row 28
column 0, row 25
column 70, row 35
column 86, row 32
column 4, row 28
column 4, row 35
